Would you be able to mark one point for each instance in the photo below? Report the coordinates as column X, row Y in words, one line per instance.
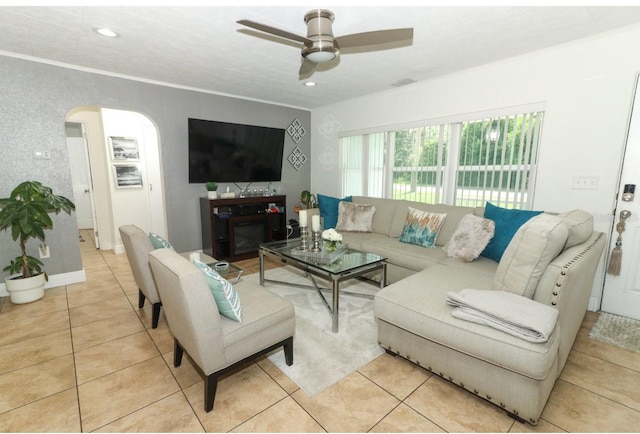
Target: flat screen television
column 227, row 152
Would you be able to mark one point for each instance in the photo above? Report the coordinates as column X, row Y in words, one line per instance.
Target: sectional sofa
column 550, row 262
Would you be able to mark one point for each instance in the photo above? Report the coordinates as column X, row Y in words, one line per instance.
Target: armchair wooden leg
column 177, row 353
column 156, row 314
column 140, row 299
column 210, row 387
column 288, row 352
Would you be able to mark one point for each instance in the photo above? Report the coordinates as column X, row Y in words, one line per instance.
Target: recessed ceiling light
column 106, row 32
column 309, row 83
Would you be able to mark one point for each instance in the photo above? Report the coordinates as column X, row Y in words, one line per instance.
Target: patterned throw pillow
column 421, row 228
column 354, row 217
column 223, row 292
column 159, row 242
column 470, row 238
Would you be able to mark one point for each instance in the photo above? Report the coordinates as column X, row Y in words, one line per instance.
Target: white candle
column 315, row 223
column 303, row 218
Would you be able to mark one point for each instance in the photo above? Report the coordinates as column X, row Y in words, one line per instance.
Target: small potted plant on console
column 25, row 213
column 212, row 189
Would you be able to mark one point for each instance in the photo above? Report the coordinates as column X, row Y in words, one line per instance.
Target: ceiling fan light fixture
column 322, row 55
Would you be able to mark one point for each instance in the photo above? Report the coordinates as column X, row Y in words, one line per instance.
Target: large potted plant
column 26, row 214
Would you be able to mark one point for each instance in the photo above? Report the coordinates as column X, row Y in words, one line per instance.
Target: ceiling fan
column 320, row 46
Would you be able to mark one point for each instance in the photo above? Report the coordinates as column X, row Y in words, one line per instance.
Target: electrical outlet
column 44, row 251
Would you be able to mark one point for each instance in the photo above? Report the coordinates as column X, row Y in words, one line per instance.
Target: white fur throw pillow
column 470, row 238
column 355, row 217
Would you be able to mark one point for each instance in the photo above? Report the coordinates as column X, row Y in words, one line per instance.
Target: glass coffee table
column 349, row 265
column 228, row 270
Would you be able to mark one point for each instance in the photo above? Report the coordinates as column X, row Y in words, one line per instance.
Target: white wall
column 586, row 87
column 134, row 205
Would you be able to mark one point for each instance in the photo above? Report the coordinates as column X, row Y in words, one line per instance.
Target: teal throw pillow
column 422, row 227
column 329, row 209
column 224, row 293
column 159, row 242
column 507, row 221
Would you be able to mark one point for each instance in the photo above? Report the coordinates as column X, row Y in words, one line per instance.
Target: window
column 461, row 163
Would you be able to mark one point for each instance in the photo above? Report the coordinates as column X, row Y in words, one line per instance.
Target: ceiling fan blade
column 274, row 31
column 307, row 68
column 377, row 37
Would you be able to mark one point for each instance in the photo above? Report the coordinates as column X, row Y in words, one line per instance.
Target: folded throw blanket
column 514, row 314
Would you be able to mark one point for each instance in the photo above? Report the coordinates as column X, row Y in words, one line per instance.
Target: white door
column 81, row 181
column 621, row 295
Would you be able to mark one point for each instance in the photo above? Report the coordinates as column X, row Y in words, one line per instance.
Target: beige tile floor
column 84, row 358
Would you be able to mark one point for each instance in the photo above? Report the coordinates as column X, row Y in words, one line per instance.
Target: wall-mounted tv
column 227, row 152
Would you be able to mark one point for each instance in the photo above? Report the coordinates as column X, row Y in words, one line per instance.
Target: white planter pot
column 26, row 290
column 212, row 194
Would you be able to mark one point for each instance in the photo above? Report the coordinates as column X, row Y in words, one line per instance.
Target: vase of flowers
column 331, row 240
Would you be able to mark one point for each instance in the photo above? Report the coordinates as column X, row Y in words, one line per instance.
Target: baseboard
column 118, row 249
column 55, row 280
column 594, row 304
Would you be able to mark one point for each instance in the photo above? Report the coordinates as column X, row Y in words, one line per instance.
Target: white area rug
column 322, row 358
column 617, row 330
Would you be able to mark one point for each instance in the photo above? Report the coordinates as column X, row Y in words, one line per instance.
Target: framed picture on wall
column 124, row 149
column 127, row 176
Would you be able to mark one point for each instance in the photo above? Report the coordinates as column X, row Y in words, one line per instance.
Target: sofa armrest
column 566, row 285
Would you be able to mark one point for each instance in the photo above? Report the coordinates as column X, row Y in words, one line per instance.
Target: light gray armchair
column 137, row 246
column 214, row 343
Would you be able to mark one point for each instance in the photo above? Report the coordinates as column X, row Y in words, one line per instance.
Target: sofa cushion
column 385, row 212
column 534, row 246
column 422, row 228
column 470, row 238
column 507, row 221
column 580, row 226
column 358, row 240
column 411, row 256
column 223, row 292
column 353, row 217
column 418, row 305
column 329, row 209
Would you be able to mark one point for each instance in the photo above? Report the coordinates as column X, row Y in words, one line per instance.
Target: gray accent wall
column 35, row 99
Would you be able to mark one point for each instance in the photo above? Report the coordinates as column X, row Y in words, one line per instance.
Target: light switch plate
column 585, row 182
column 42, row 155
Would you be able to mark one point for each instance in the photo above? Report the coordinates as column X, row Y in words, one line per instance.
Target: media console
column 232, row 229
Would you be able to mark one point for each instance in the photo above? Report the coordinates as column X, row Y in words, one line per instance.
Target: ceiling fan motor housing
column 323, row 47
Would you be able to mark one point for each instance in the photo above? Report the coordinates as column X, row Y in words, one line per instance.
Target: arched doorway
column 125, row 169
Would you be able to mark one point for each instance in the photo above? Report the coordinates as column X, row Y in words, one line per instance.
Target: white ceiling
column 204, row 48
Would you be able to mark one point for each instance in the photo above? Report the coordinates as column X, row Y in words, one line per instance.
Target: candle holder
column 304, row 239
column 315, row 239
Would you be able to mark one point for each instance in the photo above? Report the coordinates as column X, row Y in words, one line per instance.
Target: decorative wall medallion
column 296, row 130
column 297, row 158
column 328, row 158
column 329, row 128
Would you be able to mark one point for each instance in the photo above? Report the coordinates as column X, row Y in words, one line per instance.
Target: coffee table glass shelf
column 349, row 264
